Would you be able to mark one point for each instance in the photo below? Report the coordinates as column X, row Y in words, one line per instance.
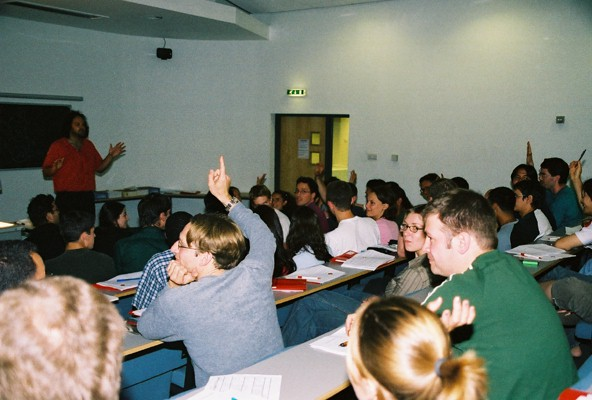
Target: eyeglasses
column 412, row 228
column 180, row 246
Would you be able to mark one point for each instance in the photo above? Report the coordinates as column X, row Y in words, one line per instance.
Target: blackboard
column 26, row 131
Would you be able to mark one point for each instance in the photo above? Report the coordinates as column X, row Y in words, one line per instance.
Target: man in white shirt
column 352, row 233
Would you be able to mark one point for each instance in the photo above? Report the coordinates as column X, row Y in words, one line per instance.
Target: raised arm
column 529, row 159
column 318, row 173
column 575, row 174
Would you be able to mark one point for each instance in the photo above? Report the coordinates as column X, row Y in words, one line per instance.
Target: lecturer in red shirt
column 72, row 163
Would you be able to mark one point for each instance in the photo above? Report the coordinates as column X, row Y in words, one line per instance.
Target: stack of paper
column 316, row 274
column 368, row 260
column 540, row 252
column 335, row 343
column 241, row 386
column 122, row 282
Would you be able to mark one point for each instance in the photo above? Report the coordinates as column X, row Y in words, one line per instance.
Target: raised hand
column 219, row 182
column 463, row 313
column 117, row 150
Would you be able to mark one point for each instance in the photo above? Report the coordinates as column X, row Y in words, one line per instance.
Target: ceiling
column 180, row 19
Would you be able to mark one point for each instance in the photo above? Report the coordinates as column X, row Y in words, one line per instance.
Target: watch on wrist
column 232, row 203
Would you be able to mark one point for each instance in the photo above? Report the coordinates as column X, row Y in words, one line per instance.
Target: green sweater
column 516, row 329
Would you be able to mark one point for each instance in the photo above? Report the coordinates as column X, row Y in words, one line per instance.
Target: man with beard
column 72, row 163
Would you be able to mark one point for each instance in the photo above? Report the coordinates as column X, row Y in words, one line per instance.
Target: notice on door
column 303, row 148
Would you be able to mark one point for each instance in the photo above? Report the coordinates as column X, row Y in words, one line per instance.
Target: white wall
column 454, row 87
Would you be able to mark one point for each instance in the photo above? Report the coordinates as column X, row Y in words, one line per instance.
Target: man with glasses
column 516, row 330
column 306, row 194
column 222, row 309
column 561, row 199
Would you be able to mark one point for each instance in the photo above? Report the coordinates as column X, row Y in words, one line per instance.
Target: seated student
column 260, row 195
column 391, row 333
column 503, row 201
column 132, row 253
column 417, row 274
column 283, row 263
column 306, row 193
column 223, row 312
column 306, row 241
column 560, row 198
column 283, row 201
column 402, row 201
column 584, row 236
column 523, row 172
column 461, row 238
column 79, row 260
column 112, row 227
column 45, row 217
column 19, row 262
column 154, row 276
column 441, row 186
column 533, row 223
column 352, row 233
column 63, row 342
column 425, row 182
column 381, row 206
column 460, row 182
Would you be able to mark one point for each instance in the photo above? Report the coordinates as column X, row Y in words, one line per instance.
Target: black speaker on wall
column 164, row 54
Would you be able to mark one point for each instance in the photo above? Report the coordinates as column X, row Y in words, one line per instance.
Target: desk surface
column 306, row 373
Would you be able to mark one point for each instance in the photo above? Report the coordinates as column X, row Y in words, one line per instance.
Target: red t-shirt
column 78, row 171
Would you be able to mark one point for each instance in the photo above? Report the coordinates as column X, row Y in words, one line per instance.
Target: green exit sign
column 296, row 92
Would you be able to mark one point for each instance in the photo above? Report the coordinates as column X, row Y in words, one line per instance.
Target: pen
column 309, row 277
column 343, row 344
column 530, row 256
column 582, row 156
column 128, row 279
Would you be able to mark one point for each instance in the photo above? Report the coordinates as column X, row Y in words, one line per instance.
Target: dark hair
column 38, row 208
column 400, row 194
column 432, row 177
column 587, row 187
column 386, row 195
column 504, row 197
column 534, row 189
column 283, row 263
column 150, row 208
column 213, row 205
column 556, row 166
column 353, row 188
column 16, row 264
column 67, row 126
column 461, row 182
column 464, row 210
column 110, row 213
column 441, row 186
column 372, row 183
column 174, row 225
column 288, row 208
column 312, row 185
column 305, row 231
column 258, row 191
column 531, row 172
column 74, row 223
column 340, row 194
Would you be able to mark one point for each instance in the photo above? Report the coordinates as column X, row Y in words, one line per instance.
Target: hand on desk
column 178, row 275
column 463, row 313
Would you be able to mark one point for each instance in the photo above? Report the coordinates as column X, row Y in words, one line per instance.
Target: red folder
column 293, row 285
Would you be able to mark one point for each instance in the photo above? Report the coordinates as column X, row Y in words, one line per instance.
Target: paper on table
column 123, row 282
column 241, row 387
column 368, row 260
column 335, row 343
column 542, row 252
column 316, row 274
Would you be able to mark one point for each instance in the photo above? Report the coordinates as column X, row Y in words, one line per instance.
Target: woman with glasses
column 417, row 275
